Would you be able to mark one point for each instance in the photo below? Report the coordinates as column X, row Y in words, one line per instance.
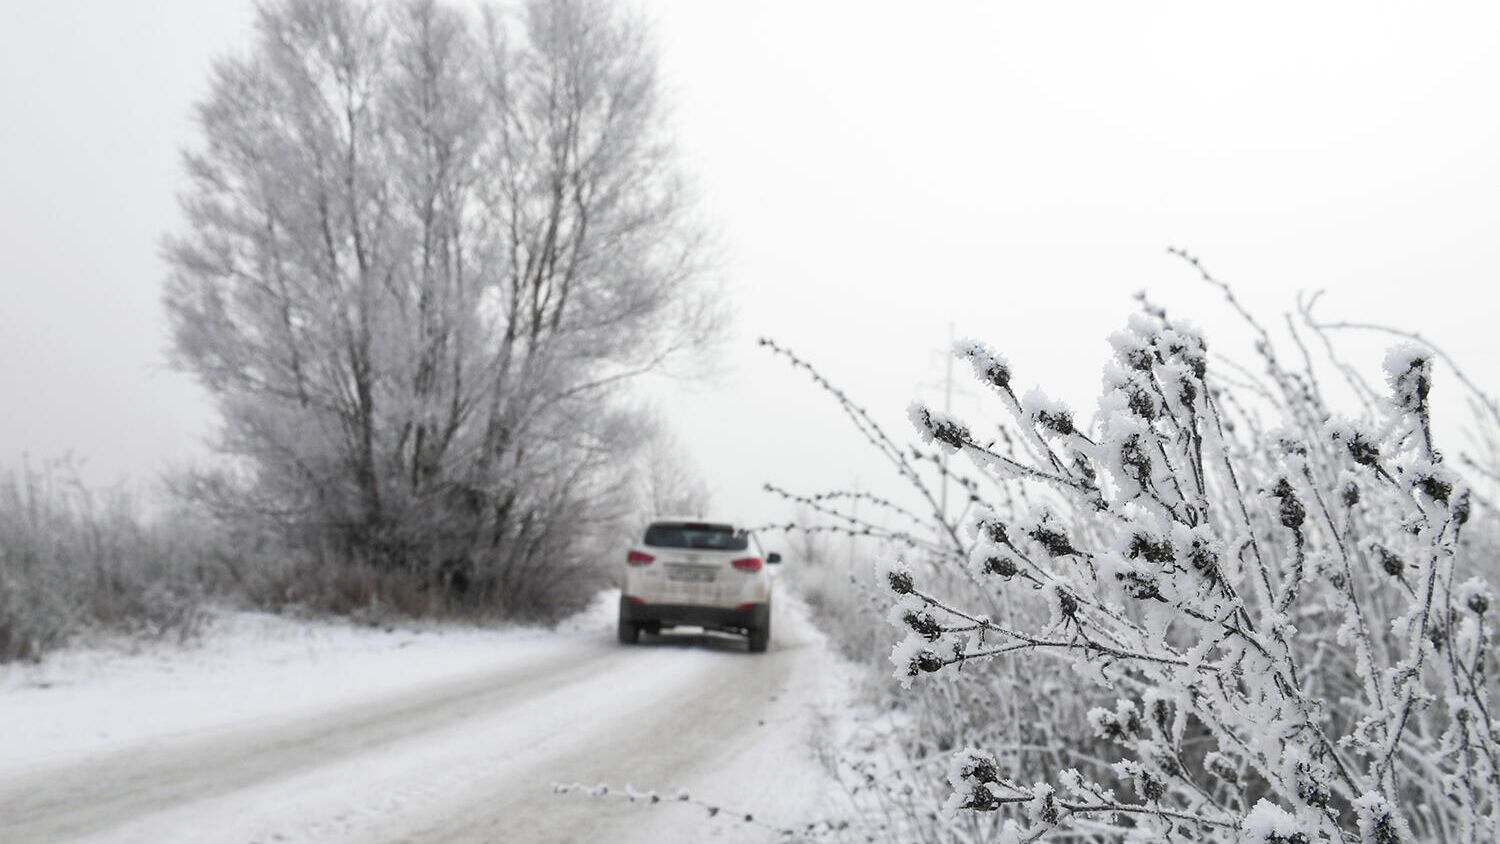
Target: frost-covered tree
column 421, row 251
column 669, row 482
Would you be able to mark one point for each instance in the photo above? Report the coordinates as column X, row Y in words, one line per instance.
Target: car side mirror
column 773, row 558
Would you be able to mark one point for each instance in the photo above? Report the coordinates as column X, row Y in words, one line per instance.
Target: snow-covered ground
column 275, row 730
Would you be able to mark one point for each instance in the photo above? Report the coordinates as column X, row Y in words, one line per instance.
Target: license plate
column 690, row 574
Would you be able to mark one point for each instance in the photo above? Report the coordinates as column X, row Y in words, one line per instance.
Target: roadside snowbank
column 245, row 667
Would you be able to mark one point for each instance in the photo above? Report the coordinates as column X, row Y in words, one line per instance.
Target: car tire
column 760, row 638
column 629, row 632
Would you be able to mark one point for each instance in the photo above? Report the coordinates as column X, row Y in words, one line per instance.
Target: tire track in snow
column 701, row 726
column 93, row 796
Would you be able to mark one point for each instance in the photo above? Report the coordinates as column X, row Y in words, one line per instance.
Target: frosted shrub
column 1286, row 616
column 77, row 561
column 888, row 770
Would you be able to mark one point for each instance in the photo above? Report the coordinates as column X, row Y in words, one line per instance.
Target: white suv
column 703, row 574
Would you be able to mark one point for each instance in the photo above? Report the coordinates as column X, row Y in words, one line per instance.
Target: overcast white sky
column 877, row 171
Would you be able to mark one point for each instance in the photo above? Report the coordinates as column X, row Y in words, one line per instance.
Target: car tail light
column 637, row 558
column 634, row 600
column 745, row 607
column 747, row 564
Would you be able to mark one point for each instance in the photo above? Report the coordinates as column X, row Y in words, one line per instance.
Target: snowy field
column 273, row 730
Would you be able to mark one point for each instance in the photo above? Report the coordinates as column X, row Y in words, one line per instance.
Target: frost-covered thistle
column 1287, row 620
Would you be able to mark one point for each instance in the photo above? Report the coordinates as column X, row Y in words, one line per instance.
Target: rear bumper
column 714, row 618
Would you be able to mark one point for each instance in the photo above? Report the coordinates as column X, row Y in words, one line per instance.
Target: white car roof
column 697, row 520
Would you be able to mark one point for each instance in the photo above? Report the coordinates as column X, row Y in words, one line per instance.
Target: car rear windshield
column 709, row 537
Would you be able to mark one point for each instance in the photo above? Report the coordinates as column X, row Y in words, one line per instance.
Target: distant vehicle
column 699, row 574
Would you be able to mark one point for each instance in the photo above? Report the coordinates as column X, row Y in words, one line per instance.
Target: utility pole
column 949, row 391
column 853, row 525
column 947, row 411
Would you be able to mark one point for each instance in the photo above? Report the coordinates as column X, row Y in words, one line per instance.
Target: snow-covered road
column 354, row 736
